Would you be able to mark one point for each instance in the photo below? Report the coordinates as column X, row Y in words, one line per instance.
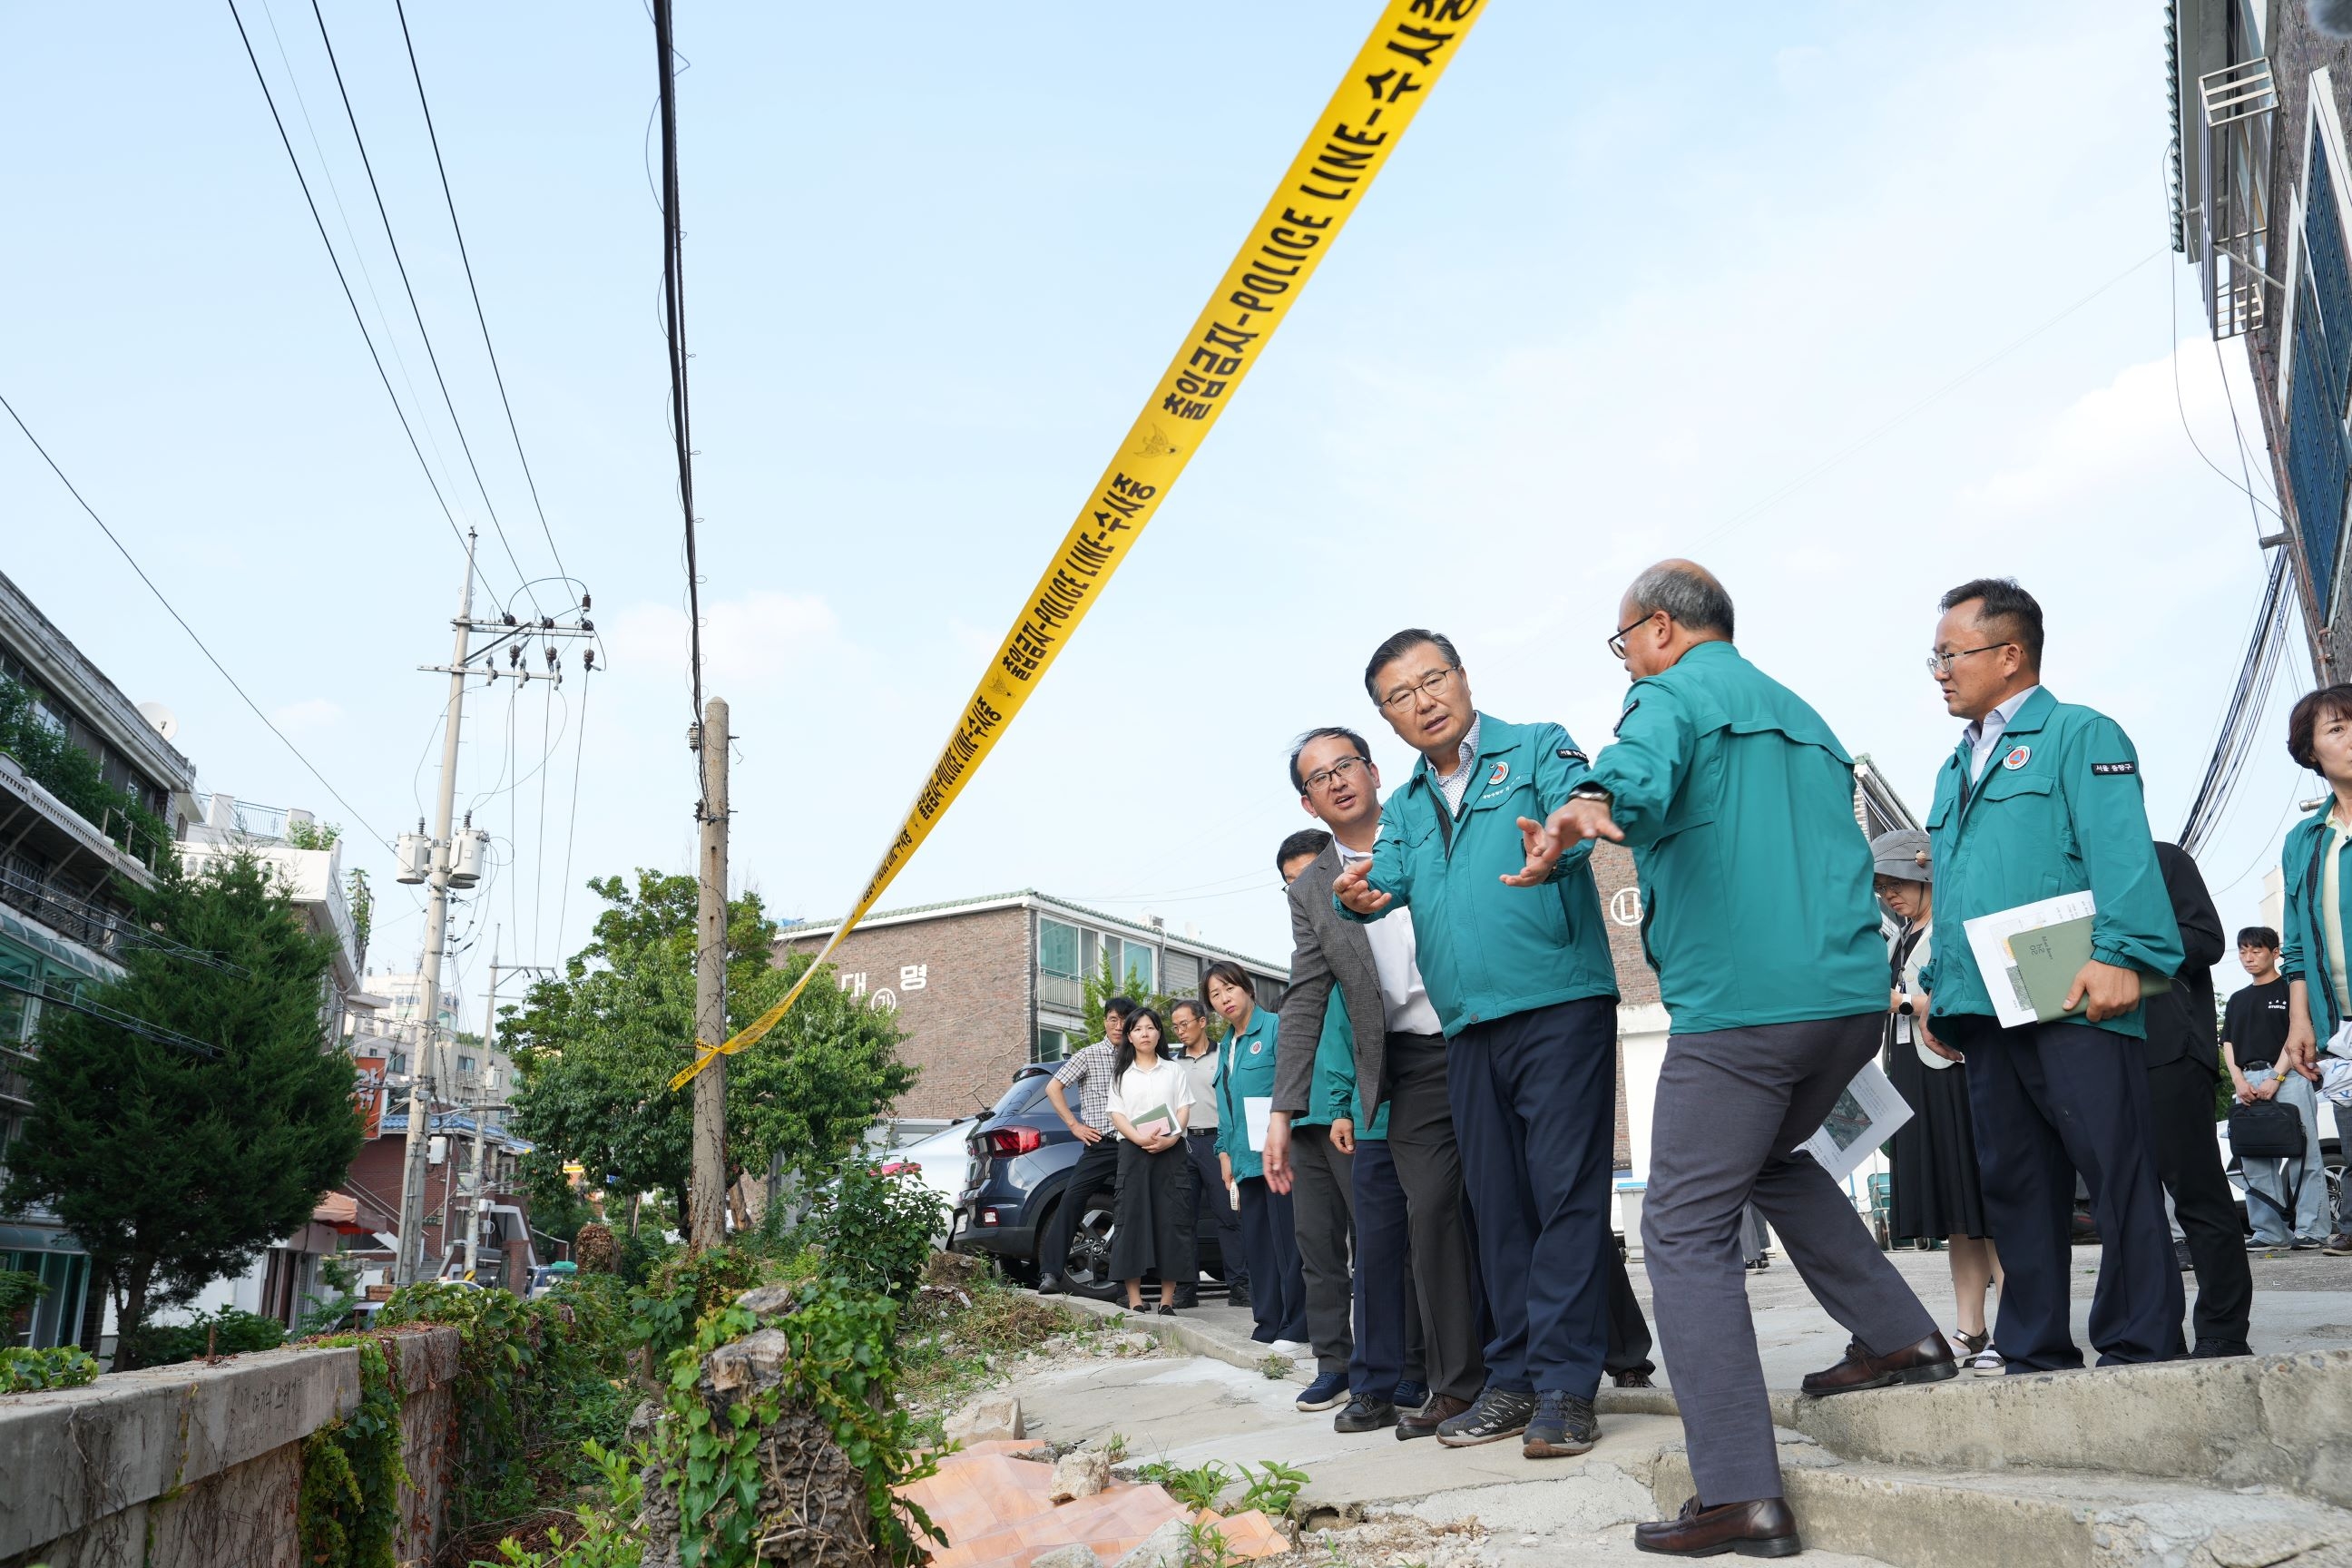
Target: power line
column 464, row 256
column 175, row 614
column 119, row 1019
column 360, row 321
column 415, row 311
column 571, row 828
column 673, row 323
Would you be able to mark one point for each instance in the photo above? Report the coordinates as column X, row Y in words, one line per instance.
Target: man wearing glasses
column 1408, row 1187
column 1737, row 802
column 2040, row 798
column 1527, row 996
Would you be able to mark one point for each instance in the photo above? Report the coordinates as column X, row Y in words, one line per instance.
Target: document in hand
column 1257, row 1110
column 2030, row 955
column 1155, row 1122
column 1864, row 1116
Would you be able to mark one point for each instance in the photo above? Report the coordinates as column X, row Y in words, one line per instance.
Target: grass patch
column 965, row 1328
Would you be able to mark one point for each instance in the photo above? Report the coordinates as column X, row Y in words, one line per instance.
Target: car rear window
column 1022, row 1095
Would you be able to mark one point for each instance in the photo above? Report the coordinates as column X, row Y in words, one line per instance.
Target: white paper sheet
column 1989, row 944
column 1864, row 1116
column 1255, row 1110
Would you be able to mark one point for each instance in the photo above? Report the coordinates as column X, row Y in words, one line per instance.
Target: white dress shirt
column 1985, row 733
column 1404, row 999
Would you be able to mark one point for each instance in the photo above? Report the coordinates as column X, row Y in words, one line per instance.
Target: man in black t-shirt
column 2253, row 1033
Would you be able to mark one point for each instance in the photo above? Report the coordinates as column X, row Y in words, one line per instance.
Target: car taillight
column 1011, row 1141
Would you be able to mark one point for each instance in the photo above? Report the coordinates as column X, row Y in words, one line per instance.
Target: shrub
column 876, row 1231
column 232, row 1330
column 22, row 1370
column 683, row 1292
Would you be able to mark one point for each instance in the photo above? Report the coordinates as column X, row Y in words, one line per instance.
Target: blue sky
column 1624, row 291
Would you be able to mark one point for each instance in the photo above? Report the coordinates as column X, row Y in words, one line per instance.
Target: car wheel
column 1088, row 1272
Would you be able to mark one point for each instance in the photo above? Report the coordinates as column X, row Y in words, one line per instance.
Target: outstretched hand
column 1547, row 841
column 1353, row 889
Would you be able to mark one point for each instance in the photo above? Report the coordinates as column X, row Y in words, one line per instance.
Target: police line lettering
column 1359, row 128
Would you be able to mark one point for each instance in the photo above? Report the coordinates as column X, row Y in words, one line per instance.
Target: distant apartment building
column 984, row 986
column 67, row 842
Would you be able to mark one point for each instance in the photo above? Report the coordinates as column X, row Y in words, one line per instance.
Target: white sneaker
column 1285, row 1347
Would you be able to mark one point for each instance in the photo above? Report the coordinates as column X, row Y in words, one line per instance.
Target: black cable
column 571, row 828
column 415, row 311
column 349, row 298
column 175, row 614
column 464, row 256
column 120, row 1019
column 673, row 319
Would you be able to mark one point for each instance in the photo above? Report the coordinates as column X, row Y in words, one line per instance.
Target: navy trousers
column 1389, row 1347
column 2052, row 1100
column 1277, row 1286
column 1535, row 1107
column 1214, row 1209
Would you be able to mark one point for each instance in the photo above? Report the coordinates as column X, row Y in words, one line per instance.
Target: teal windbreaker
column 1488, row 951
column 1245, row 1071
column 2058, row 809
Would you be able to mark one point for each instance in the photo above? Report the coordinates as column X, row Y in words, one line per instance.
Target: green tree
column 1105, row 983
column 174, row 1169
column 595, row 1049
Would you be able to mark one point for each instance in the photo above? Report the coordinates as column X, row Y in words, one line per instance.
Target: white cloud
column 310, row 713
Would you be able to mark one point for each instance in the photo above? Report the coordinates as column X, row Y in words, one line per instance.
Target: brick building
column 984, row 986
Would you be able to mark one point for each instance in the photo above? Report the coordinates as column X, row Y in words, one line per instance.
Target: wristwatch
column 1588, row 791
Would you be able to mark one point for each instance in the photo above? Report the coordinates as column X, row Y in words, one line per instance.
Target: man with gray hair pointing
column 1737, row 802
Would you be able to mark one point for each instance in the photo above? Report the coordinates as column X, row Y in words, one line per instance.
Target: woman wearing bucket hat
column 1936, row 1193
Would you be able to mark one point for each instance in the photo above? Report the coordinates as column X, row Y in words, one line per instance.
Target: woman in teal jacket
column 1269, row 1236
column 2318, row 909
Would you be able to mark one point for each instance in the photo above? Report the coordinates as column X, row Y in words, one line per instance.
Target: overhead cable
column 2242, row 717
column 365, row 336
column 356, row 815
column 674, row 327
column 466, row 256
column 416, row 311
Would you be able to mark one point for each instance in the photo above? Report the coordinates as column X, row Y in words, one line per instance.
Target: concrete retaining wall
column 193, row 1466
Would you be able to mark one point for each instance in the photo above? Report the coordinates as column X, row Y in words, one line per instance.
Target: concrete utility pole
column 488, row 1100
column 436, row 932
column 707, row 1223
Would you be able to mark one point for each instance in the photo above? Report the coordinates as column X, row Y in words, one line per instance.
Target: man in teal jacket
column 1756, row 912
column 2040, row 798
column 1527, row 996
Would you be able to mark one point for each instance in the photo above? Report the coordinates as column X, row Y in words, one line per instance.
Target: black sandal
column 1166, row 1310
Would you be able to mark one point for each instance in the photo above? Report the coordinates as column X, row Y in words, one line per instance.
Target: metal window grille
column 2240, row 106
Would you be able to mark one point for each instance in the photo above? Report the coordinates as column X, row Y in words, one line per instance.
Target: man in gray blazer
column 1400, row 1054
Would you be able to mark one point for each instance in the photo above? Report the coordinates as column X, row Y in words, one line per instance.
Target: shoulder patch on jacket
column 2114, row 767
column 1620, row 730
column 1570, row 755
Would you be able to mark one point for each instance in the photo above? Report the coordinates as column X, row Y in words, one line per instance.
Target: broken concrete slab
column 1080, row 1474
column 990, row 1418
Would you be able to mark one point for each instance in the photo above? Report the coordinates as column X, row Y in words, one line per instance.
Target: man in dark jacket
column 2183, row 1066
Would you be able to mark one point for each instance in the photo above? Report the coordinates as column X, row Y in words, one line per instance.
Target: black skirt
column 1935, row 1193
column 1154, row 1216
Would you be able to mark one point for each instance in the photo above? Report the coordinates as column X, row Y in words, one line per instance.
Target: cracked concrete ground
column 1191, row 1409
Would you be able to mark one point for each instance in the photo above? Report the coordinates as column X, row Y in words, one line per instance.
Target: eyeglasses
column 1941, row 663
column 1617, row 643
column 1337, row 773
column 1433, row 684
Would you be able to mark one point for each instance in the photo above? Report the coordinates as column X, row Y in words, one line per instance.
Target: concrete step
column 2281, row 1421
column 1916, row 1518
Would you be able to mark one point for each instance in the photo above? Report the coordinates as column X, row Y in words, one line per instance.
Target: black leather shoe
column 1929, row 1360
column 1237, row 1294
column 1425, row 1422
column 1637, row 1378
column 2215, row 1349
column 1188, row 1299
column 1051, row 1284
column 1499, row 1413
column 1764, row 1528
column 1365, row 1414
column 1562, row 1427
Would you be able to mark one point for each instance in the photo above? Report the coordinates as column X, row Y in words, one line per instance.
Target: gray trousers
column 1323, row 1208
column 1732, row 1107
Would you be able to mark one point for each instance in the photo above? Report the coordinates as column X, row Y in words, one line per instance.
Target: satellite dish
column 166, row 722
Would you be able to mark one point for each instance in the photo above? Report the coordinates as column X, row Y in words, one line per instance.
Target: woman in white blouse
column 1150, row 1104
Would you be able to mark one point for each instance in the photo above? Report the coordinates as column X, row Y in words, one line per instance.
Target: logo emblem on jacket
column 1502, row 771
column 1256, row 1045
column 2016, row 758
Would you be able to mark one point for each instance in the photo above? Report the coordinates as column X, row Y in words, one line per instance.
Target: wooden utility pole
column 707, row 1223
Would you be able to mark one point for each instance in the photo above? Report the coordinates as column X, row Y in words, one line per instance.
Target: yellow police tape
column 1400, row 62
